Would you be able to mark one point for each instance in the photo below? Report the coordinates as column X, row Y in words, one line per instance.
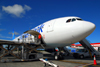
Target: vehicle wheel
column 32, row 57
column 81, row 56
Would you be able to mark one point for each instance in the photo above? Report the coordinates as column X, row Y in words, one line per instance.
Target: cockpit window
column 69, row 20
column 73, row 19
column 78, row 18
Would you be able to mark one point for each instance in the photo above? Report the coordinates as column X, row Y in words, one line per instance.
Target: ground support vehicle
column 82, row 53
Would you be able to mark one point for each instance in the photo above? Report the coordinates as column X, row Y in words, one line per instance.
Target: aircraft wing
column 9, row 42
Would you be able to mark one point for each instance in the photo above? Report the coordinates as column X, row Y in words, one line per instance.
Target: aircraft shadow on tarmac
column 50, row 57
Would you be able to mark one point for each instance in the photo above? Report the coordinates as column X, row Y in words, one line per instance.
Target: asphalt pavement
column 69, row 61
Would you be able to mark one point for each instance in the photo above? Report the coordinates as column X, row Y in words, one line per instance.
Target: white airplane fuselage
column 60, row 32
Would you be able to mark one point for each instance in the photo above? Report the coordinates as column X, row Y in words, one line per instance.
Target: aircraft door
column 50, row 26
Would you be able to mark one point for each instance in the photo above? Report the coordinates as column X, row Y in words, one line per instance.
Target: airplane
column 59, row 32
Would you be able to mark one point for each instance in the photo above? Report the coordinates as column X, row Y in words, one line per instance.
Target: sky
column 22, row 15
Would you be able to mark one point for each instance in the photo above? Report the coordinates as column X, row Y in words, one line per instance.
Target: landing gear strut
column 58, row 54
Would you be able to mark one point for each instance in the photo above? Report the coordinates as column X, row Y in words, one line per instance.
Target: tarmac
column 69, row 61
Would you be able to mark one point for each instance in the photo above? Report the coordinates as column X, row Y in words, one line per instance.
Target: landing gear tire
column 81, row 56
column 56, row 57
column 59, row 57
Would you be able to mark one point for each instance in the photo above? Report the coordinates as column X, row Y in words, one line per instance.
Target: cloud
column 14, row 33
column 1, row 36
column 27, row 8
column 1, row 29
column 16, row 9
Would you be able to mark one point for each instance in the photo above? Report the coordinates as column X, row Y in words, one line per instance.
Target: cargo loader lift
column 27, row 53
column 28, row 50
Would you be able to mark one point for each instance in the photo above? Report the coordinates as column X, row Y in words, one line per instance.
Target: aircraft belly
column 49, row 45
column 58, row 40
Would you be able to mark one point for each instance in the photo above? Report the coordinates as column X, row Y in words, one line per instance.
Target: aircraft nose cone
column 82, row 30
column 88, row 27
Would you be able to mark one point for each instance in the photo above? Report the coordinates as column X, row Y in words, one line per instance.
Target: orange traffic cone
column 95, row 63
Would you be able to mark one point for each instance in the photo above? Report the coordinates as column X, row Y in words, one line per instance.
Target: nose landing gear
column 58, row 54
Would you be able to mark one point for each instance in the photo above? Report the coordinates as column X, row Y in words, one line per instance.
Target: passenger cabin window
column 69, row 20
column 73, row 19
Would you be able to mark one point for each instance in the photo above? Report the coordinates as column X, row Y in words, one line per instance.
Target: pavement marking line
column 73, row 62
